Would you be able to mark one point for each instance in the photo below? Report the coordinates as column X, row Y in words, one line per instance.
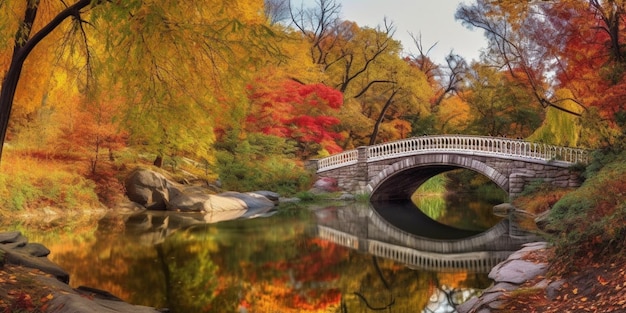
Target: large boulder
column 148, row 188
column 188, row 200
column 224, row 208
column 270, row 195
column 156, row 192
column 255, row 203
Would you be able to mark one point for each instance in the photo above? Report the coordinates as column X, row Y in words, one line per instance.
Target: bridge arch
column 399, row 180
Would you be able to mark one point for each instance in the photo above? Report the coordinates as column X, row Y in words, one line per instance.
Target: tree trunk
column 158, row 161
column 9, row 85
column 380, row 118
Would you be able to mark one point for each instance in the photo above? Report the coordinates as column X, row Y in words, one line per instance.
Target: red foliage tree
column 301, row 112
column 592, row 63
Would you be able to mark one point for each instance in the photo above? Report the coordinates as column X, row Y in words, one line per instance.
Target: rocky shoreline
column 518, row 269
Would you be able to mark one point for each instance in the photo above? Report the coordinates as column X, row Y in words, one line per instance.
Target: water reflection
column 460, row 210
column 406, row 216
column 281, row 263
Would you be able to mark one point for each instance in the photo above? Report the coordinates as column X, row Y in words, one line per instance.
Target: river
column 278, row 263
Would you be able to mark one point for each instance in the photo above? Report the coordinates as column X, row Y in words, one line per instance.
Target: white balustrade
column 338, row 160
column 462, row 144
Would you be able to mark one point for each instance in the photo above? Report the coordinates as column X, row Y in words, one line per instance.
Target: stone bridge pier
column 395, row 170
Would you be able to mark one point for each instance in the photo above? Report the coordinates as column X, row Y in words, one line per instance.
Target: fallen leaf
column 46, row 298
column 575, row 291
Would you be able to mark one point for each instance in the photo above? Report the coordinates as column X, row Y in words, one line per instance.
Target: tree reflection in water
column 392, row 299
column 388, row 287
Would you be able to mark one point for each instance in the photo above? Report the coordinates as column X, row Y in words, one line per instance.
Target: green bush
column 261, row 162
column 434, row 185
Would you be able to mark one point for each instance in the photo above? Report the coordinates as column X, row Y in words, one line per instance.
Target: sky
column 434, row 20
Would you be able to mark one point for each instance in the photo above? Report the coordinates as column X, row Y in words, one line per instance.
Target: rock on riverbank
column 508, row 276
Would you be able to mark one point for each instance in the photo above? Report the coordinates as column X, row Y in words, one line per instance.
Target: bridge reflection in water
column 428, row 245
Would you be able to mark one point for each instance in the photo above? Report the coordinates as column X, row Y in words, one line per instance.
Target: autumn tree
column 91, row 131
column 362, row 63
column 276, row 11
column 188, row 64
column 514, row 42
column 30, row 27
column 299, row 112
column 177, row 63
column 447, row 112
column 445, row 79
column 593, row 59
column 391, row 104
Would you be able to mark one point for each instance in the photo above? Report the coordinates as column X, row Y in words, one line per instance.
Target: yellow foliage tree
column 559, row 127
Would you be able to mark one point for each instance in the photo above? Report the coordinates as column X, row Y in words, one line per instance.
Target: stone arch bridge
column 394, row 170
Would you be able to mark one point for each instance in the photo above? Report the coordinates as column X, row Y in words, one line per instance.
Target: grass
column 434, row 186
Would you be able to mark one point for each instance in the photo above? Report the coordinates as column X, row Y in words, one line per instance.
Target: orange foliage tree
column 92, row 132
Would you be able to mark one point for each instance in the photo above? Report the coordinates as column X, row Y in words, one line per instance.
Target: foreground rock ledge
column 509, row 275
column 16, row 250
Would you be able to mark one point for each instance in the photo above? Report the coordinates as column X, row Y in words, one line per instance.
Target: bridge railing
column 338, row 160
column 459, row 143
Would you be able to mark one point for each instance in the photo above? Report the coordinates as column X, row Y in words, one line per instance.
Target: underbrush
column 27, row 182
column 539, row 197
column 261, row 162
column 592, row 219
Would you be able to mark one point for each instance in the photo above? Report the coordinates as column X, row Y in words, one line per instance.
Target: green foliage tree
column 499, row 106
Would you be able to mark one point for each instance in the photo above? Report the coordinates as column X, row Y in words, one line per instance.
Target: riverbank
column 527, row 282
